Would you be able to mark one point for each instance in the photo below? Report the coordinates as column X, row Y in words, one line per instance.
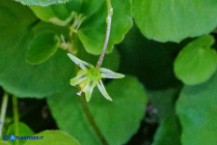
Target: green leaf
column 129, row 101
column 60, row 11
column 175, row 20
column 52, row 137
column 93, row 30
column 42, row 2
column 196, row 109
column 24, row 130
column 41, row 47
column 4, row 143
column 18, row 77
column 169, row 132
column 196, row 62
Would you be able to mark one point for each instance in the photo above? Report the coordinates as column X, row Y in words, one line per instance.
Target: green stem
column 3, row 111
column 16, row 117
column 108, row 31
column 92, row 122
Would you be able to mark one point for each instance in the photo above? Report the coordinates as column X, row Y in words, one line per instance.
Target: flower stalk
column 108, row 31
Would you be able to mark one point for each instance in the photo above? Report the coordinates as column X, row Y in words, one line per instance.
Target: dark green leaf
column 196, row 109
column 117, row 120
column 164, row 101
column 197, row 62
column 53, row 138
column 152, row 62
column 175, row 20
column 41, row 47
column 169, row 132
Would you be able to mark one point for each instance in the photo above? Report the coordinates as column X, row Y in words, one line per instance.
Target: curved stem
column 16, row 118
column 92, row 122
column 3, row 112
column 108, row 31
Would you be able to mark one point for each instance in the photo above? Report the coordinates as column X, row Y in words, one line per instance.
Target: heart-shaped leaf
column 196, row 62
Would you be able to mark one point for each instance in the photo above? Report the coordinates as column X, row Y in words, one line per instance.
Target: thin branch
column 92, row 122
column 3, row 112
column 108, row 31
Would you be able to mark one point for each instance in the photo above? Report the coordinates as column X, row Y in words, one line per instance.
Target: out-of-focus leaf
column 117, row 120
column 197, row 62
column 175, row 20
column 53, row 137
column 169, row 132
column 196, row 109
column 24, row 130
column 4, row 143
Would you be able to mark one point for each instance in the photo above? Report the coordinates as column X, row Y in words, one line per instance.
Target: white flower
column 89, row 77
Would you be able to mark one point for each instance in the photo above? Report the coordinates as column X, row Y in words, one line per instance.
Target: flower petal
column 107, row 73
column 78, row 79
column 89, row 91
column 82, row 64
column 103, row 91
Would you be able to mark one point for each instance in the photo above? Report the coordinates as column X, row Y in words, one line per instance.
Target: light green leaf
column 60, row 11
column 24, row 130
column 4, row 143
column 196, row 62
column 41, row 47
column 53, row 137
column 129, row 101
column 92, row 32
column 196, row 109
column 169, row 132
column 175, row 20
column 42, row 2
column 18, row 77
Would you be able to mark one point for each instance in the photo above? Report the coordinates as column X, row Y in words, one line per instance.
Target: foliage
column 168, row 57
